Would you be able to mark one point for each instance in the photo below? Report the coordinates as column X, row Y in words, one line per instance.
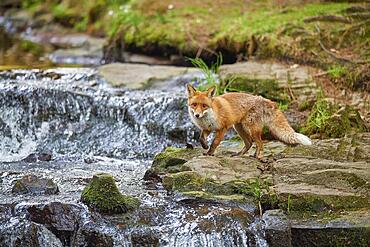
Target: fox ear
column 191, row 90
column 211, row 92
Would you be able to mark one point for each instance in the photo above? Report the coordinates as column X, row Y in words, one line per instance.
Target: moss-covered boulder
column 103, row 195
column 221, row 177
column 330, row 120
column 278, row 82
column 332, row 175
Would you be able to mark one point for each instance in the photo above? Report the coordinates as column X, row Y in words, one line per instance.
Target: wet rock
column 138, row 76
column 91, row 238
column 37, row 157
column 27, row 234
column 103, row 195
column 277, row 228
column 35, row 185
column 60, row 218
column 143, row 238
column 348, row 229
column 220, row 177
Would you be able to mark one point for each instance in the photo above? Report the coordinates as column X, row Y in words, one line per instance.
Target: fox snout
column 198, row 114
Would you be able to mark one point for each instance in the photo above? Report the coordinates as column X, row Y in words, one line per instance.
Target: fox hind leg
column 246, row 137
column 256, row 131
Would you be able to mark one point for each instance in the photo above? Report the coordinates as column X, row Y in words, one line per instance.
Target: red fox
column 245, row 112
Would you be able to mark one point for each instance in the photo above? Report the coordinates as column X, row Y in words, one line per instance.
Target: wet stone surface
column 87, row 127
column 31, row 184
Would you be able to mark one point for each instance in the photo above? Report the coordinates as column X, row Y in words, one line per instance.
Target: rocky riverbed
column 59, row 127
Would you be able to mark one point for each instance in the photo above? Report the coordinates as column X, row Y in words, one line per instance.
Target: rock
column 220, row 177
column 277, row 228
column 37, row 157
column 103, row 195
column 92, row 237
column 298, row 80
column 60, row 218
column 144, row 239
column 329, row 176
column 138, row 76
column 35, row 185
column 349, row 229
column 28, row 234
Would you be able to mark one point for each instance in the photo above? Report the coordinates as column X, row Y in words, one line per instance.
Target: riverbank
column 331, row 36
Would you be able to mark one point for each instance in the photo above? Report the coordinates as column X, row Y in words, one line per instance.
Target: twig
column 320, row 74
column 342, row 59
column 360, row 16
column 330, row 18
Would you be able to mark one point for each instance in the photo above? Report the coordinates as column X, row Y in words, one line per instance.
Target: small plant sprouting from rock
column 289, row 203
column 319, row 115
column 210, row 73
column 330, row 120
column 337, row 71
column 258, row 189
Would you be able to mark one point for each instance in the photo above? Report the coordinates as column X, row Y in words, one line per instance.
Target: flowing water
column 89, row 127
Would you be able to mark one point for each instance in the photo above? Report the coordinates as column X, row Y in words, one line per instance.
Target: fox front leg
column 203, row 138
column 216, row 141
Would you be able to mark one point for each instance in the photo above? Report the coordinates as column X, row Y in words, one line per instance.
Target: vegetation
column 103, row 195
column 211, row 74
column 330, row 120
column 331, row 35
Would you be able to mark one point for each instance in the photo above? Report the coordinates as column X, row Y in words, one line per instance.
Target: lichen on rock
column 103, row 195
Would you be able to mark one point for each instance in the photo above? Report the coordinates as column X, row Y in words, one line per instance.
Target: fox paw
column 236, row 154
column 208, row 154
column 205, row 146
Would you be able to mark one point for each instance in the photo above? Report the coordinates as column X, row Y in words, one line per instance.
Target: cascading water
column 89, row 127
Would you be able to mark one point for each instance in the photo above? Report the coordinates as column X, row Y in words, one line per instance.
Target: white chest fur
column 207, row 122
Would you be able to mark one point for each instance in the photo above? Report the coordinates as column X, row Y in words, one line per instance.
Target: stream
column 86, row 126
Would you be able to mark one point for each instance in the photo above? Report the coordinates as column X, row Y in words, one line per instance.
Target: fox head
column 200, row 103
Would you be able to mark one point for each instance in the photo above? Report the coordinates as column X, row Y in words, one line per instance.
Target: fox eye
column 194, row 105
column 205, row 106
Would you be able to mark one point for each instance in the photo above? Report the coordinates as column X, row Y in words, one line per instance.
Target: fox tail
column 280, row 129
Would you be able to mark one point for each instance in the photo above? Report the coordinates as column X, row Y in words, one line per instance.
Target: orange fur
column 245, row 112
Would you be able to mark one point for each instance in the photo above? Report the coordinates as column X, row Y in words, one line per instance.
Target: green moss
column 318, row 204
column 211, row 196
column 173, row 157
column 328, row 120
column 30, row 47
column 184, row 181
column 305, row 105
column 103, row 195
column 337, row 71
column 266, row 88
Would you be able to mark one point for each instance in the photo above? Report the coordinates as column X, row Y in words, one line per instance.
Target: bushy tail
column 281, row 130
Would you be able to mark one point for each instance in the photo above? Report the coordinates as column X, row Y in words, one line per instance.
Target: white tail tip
column 302, row 139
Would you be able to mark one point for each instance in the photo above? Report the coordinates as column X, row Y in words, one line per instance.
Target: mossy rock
column 103, row 195
column 316, row 203
column 327, row 120
column 173, row 158
column 350, row 148
column 268, row 88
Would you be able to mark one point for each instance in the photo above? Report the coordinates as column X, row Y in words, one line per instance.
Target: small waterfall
column 90, row 127
column 90, row 119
